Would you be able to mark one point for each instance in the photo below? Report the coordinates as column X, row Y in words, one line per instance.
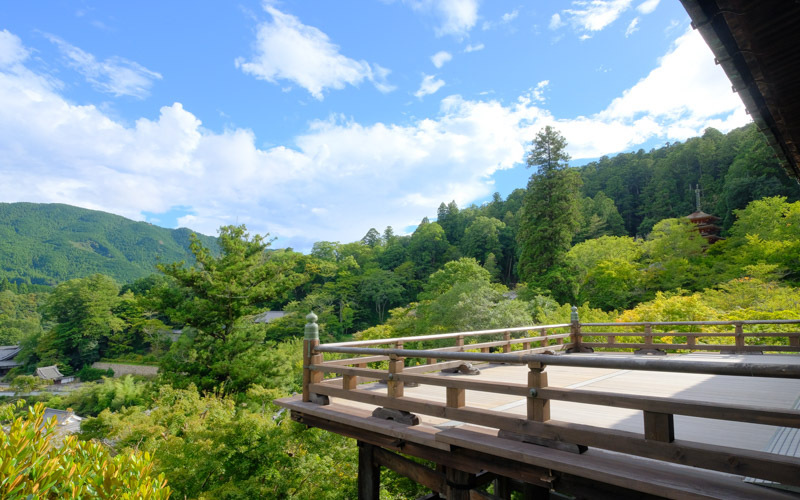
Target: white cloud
column 474, row 48
column 648, row 6
column 556, row 22
column 504, row 19
column 633, row 27
column 286, row 49
column 441, row 57
column 11, row 49
column 538, row 93
column 339, row 177
column 430, row 84
column 510, row 16
column 595, row 15
column 456, row 17
column 114, row 75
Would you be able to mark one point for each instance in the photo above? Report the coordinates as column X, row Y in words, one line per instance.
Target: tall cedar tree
column 550, row 216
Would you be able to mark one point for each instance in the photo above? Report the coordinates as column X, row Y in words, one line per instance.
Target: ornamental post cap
column 312, row 328
column 574, row 315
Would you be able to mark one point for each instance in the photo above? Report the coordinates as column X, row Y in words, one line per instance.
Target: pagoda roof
column 700, row 215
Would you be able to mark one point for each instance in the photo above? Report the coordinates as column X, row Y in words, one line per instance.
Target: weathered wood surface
column 479, row 448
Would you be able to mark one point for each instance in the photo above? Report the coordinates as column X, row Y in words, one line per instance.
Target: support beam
column 369, row 473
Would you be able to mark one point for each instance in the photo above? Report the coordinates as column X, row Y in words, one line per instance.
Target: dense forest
column 45, row 244
column 610, row 237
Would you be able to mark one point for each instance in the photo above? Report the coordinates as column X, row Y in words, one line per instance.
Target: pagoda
column 706, row 223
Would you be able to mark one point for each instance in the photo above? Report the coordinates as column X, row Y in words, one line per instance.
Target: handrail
column 452, row 335
column 774, row 370
column 658, row 440
column 710, row 323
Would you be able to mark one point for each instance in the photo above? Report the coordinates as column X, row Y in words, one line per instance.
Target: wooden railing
column 538, row 344
column 651, row 337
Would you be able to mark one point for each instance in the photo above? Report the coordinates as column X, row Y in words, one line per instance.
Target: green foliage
column 549, row 217
column 24, row 384
column 82, row 311
column 89, row 374
column 110, row 393
column 19, row 316
column 33, row 465
column 45, row 244
column 211, row 447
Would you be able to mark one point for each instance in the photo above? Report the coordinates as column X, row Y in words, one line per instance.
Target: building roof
column 49, row 373
column 267, row 316
column 8, row 352
column 756, row 43
column 700, row 215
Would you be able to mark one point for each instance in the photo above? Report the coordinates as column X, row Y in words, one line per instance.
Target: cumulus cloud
column 456, row 17
column 556, row 22
column 339, row 177
column 430, row 84
column 440, row 58
column 504, row 19
column 597, row 14
column 648, row 6
column 286, row 49
column 115, row 75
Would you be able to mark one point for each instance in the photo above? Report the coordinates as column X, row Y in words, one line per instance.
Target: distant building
column 52, row 373
column 268, row 316
column 706, row 223
column 7, row 354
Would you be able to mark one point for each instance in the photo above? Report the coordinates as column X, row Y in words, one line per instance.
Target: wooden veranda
column 592, row 410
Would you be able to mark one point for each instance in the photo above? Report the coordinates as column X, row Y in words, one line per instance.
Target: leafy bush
column 34, row 466
column 89, row 374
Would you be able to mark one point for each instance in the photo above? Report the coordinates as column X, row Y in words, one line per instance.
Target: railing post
column 507, row 339
column 395, row 387
column 575, row 331
column 310, row 342
column 739, row 332
column 460, row 342
column 538, row 409
column 546, row 341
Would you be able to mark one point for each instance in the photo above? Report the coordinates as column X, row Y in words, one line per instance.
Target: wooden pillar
column 395, row 387
column 507, row 338
column 659, row 426
column 739, row 332
column 538, row 409
column 456, row 398
column 369, row 474
column 691, row 341
column 310, row 342
column 458, row 484
column 460, row 342
column 546, row 341
column 648, row 336
column 575, row 333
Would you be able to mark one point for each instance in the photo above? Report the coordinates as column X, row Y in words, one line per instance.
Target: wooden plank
column 659, row 427
column 719, row 458
column 369, row 473
column 412, row 470
column 696, row 347
column 702, row 409
column 654, row 478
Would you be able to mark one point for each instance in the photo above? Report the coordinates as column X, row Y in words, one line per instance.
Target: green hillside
column 45, row 244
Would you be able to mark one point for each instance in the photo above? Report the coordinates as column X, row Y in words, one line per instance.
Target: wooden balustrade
column 658, row 440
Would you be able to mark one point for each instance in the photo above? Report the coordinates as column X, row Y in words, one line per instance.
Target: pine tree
column 549, row 217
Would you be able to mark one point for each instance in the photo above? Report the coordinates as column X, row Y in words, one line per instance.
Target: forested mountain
column 45, row 244
column 731, row 169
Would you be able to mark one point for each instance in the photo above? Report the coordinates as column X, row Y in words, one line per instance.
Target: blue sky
column 316, row 120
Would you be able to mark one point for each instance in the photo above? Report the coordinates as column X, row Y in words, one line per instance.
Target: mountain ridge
column 48, row 243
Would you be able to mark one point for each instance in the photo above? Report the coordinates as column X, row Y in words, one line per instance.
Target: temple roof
column 758, row 46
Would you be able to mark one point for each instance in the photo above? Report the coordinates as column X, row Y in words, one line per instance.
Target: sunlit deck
column 691, row 425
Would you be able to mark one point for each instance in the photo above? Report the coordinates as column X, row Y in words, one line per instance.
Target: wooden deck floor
column 766, row 392
column 440, row 434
